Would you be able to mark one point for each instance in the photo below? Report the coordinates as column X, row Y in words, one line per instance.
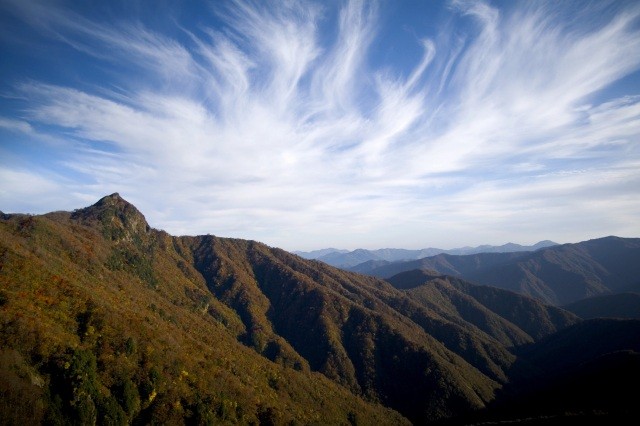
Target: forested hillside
column 106, row 320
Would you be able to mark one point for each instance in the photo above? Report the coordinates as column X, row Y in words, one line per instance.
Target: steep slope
column 570, row 272
column 556, row 275
column 584, row 374
column 358, row 331
column 103, row 320
column 582, row 342
column 511, row 318
column 623, row 305
column 586, row 369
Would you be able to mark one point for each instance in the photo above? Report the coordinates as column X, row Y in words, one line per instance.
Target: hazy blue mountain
column 314, row 254
column 369, row 265
column 449, row 264
column 570, row 272
column 557, row 275
column 505, row 248
column 349, row 259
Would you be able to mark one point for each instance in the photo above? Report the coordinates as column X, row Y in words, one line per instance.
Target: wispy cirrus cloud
column 274, row 124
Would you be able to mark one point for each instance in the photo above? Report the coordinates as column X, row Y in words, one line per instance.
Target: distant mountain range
column 558, row 275
column 348, row 259
column 105, row 320
column 315, row 254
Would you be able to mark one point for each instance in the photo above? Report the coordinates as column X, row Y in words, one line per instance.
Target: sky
column 349, row 124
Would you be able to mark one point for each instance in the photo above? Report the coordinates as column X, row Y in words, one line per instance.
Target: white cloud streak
column 262, row 130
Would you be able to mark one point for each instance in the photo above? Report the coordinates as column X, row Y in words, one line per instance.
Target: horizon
column 348, row 124
column 426, row 247
column 310, row 250
column 293, row 250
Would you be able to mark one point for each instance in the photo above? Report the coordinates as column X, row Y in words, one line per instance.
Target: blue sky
column 328, row 124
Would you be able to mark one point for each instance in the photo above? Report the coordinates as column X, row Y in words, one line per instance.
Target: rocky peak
column 112, row 200
column 120, row 220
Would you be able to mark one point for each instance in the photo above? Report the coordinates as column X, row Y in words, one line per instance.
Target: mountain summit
column 119, row 219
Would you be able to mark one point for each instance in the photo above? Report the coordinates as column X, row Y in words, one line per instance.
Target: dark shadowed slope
column 568, row 374
column 584, row 374
column 507, row 316
column 623, row 305
column 358, row 331
column 582, row 342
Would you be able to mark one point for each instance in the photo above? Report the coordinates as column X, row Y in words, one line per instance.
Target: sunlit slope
column 102, row 320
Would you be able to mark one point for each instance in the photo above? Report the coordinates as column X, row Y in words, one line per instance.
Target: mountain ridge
column 105, row 319
column 349, row 259
column 557, row 275
column 125, row 330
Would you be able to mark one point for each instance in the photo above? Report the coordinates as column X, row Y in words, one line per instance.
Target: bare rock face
column 120, row 220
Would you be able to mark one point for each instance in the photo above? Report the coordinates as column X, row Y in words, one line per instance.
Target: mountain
column 622, row 305
column 571, row 272
column 505, row 248
column 572, row 373
column 369, row 265
column 455, row 265
column 107, row 320
column 351, row 259
column 557, row 275
column 583, row 374
column 595, row 361
column 314, row 254
column 483, row 306
column 580, row 374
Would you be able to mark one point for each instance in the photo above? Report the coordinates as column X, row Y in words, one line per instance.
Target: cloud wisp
column 274, row 125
